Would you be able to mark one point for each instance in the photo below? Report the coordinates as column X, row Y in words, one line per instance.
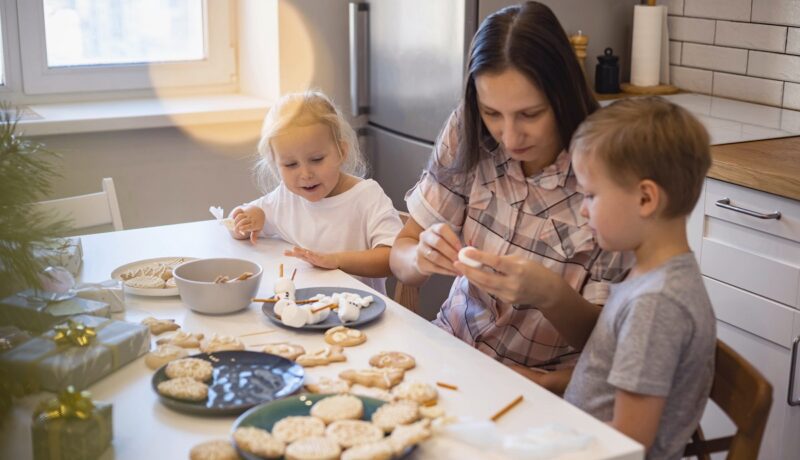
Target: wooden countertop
column 771, row 165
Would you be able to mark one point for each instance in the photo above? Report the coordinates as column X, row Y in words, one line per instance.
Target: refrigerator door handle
column 359, row 65
column 790, row 397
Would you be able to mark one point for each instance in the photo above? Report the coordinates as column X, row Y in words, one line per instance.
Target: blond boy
column 648, row 364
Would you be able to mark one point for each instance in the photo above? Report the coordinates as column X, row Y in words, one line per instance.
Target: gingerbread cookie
column 396, row 359
column 345, row 336
column 418, row 392
column 326, row 355
column 339, row 407
column 287, row 350
column 389, row 415
column 328, row 385
column 290, row 429
column 218, row 449
column 258, row 442
column 349, row 433
column 182, row 339
column 164, row 354
column 146, row 282
column 382, row 378
column 185, row 388
column 197, row 369
column 381, row 450
column 313, row 448
column 405, row 436
column 371, row 392
column 431, row 412
column 159, row 326
column 221, row 343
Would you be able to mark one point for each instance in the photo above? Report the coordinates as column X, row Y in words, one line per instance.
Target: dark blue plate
column 267, row 414
column 241, row 380
column 370, row 313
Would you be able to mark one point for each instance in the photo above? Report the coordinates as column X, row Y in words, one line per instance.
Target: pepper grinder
column 606, row 73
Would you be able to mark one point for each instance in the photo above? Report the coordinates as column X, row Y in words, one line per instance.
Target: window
column 111, row 45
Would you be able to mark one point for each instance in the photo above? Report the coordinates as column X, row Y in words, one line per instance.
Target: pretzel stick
column 269, row 331
column 273, row 300
column 507, row 408
column 280, row 271
column 319, row 309
column 294, row 272
column 447, row 385
column 430, row 403
column 243, row 276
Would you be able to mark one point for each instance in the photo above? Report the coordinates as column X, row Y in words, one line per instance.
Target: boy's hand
column 248, row 221
column 514, row 280
column 317, row 259
column 437, row 250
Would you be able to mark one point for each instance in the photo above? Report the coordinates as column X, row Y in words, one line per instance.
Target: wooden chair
column 407, row 296
column 746, row 397
column 88, row 210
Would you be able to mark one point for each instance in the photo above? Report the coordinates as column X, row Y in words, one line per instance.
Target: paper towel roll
column 646, row 48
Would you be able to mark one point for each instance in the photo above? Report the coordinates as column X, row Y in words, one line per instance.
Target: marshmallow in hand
column 466, row 260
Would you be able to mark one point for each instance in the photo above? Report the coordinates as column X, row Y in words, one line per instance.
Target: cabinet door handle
column 793, row 363
column 726, row 203
column 359, row 55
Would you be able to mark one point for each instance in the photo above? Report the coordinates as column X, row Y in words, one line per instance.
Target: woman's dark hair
column 529, row 39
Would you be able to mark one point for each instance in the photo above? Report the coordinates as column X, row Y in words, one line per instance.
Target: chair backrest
column 88, row 210
column 407, row 296
column 746, row 397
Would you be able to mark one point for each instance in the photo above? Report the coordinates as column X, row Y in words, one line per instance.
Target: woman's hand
column 317, row 259
column 248, row 221
column 514, row 280
column 437, row 250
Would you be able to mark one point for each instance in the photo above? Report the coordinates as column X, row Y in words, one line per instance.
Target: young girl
column 321, row 205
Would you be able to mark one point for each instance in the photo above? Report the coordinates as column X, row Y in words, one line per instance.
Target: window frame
column 218, row 69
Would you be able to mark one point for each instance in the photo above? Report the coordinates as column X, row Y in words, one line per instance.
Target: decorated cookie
column 395, row 359
column 259, row 442
column 339, row 407
column 326, row 355
column 418, row 392
column 291, row 429
column 345, row 336
column 185, row 388
column 221, row 343
column 384, row 378
column 431, row 412
column 182, row 339
column 287, row 350
column 218, row 449
column 404, row 436
column 159, row 326
column 349, row 433
column 164, row 354
column 198, row 369
column 313, row 448
column 327, row 385
column 380, row 450
column 389, row 415
column 146, row 282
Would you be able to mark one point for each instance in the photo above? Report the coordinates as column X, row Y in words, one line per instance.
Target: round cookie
column 395, row 359
column 345, row 336
column 290, row 429
column 389, row 415
column 418, row 392
column 381, row 450
column 164, row 354
column 198, row 369
column 349, row 433
column 339, row 407
column 258, row 442
column 286, row 350
column 314, row 448
column 185, row 388
column 218, row 449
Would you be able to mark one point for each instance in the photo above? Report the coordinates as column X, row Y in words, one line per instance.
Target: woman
column 500, row 180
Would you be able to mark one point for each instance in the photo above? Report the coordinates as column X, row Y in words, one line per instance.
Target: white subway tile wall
column 739, row 49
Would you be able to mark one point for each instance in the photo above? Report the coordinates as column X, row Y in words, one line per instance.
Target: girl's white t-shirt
column 359, row 219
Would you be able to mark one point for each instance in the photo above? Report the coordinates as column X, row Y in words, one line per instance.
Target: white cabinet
column 751, row 268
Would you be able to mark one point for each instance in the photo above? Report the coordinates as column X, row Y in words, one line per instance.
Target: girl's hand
column 248, row 221
column 437, row 250
column 317, row 259
column 515, row 280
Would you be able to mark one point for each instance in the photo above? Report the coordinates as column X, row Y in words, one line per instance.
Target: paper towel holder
column 655, row 89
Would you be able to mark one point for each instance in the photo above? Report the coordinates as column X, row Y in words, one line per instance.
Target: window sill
column 128, row 114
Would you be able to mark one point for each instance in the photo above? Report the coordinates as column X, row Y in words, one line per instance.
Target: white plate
column 144, row 291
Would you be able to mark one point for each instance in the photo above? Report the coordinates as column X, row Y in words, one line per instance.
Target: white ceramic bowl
column 195, row 281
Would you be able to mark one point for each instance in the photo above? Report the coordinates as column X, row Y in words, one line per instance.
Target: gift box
column 109, row 291
column 79, row 352
column 29, row 310
column 71, row 427
column 61, row 252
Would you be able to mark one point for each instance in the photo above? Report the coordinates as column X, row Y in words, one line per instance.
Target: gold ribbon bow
column 74, row 333
column 69, row 404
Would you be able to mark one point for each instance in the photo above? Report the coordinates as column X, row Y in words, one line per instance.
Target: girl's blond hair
column 305, row 109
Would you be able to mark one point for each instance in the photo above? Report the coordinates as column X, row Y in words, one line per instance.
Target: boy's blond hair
column 305, row 109
column 649, row 138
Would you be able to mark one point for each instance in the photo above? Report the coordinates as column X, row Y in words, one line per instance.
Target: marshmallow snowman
column 280, row 305
column 284, row 289
column 294, row 316
column 348, row 309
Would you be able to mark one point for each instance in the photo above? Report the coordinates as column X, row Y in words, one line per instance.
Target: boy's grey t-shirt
column 655, row 336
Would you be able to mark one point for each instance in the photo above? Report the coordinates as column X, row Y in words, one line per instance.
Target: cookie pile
column 156, row 275
column 187, row 377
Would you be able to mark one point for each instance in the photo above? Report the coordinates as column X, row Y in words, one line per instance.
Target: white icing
column 464, row 259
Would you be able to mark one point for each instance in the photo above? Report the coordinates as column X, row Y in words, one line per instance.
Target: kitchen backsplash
column 740, row 49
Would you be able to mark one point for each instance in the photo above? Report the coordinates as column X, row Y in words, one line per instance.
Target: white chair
column 88, row 210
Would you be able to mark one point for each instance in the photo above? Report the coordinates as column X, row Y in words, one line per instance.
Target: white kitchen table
column 146, row 430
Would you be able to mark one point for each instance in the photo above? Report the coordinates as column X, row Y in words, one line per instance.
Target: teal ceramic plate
column 368, row 314
column 267, row 414
column 241, row 380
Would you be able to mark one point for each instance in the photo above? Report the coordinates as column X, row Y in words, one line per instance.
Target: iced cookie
column 164, row 354
column 182, row 339
column 221, row 343
column 218, row 449
column 286, row 350
column 431, row 412
column 381, row 450
column 290, row 429
column 349, row 433
column 382, row 378
column 258, row 442
column 314, row 448
column 345, row 336
column 198, row 369
column 389, row 415
column 159, row 326
column 326, row 355
column 405, row 436
column 327, row 385
column 418, row 392
column 339, row 407
column 146, row 282
column 371, row 392
column 396, row 359
column 185, row 388
column 170, row 283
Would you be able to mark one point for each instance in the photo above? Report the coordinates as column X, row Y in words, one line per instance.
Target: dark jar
column 606, row 73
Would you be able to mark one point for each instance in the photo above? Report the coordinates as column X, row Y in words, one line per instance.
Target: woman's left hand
column 514, row 280
column 317, row 259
